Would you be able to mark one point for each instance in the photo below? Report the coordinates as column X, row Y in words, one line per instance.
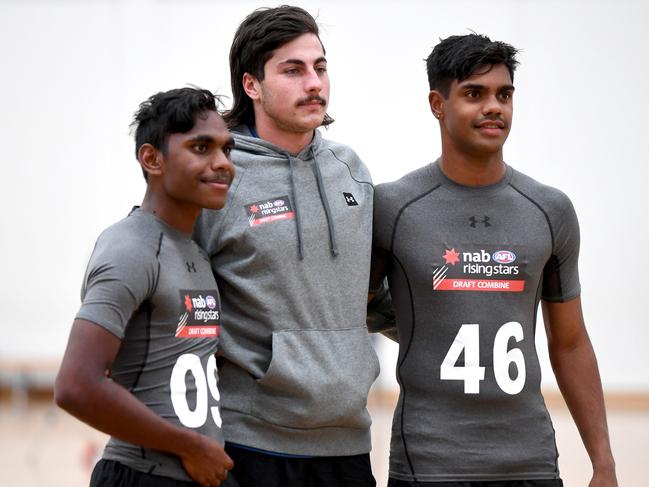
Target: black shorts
column 109, row 473
column 258, row 469
column 491, row 483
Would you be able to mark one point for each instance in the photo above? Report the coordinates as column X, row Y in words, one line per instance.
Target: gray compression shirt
column 152, row 287
column 467, row 268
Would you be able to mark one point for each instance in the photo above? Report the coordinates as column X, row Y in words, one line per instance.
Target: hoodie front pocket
column 317, row 378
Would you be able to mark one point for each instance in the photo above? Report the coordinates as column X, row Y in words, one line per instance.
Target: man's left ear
column 436, row 102
column 150, row 159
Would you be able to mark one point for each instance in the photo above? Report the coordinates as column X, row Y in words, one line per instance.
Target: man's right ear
column 436, row 102
column 150, row 159
column 251, row 86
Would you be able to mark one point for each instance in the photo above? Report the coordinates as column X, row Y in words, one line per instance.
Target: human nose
column 221, row 161
column 492, row 106
column 313, row 83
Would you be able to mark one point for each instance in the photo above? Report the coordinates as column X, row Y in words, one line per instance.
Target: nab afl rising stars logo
column 199, row 316
column 478, row 270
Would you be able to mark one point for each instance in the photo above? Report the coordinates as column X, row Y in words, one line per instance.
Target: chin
column 313, row 123
column 215, row 205
column 489, row 149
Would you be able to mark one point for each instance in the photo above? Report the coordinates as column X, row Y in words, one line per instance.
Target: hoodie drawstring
column 298, row 226
column 325, row 203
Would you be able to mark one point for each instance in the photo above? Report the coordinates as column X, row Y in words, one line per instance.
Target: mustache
column 496, row 118
column 312, row 98
column 223, row 175
column 220, row 176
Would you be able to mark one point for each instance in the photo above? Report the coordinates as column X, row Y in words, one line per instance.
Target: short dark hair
column 170, row 112
column 261, row 32
column 458, row 57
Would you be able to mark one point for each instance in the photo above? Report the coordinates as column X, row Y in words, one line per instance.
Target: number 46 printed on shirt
column 468, row 340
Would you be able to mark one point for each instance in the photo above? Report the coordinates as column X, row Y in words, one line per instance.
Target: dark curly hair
column 170, row 112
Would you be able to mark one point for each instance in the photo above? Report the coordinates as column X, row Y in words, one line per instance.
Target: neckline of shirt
column 438, row 175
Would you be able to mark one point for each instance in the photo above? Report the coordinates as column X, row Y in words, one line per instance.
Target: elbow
column 68, row 394
column 63, row 396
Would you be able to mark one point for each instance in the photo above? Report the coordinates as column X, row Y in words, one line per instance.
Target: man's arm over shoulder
column 575, row 367
column 380, row 312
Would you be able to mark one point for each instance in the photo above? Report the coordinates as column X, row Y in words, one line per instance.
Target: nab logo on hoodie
column 269, row 210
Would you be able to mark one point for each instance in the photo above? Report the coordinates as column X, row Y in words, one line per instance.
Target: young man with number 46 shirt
column 470, row 246
column 140, row 362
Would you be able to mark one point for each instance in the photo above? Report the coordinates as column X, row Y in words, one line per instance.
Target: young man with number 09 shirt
column 140, row 363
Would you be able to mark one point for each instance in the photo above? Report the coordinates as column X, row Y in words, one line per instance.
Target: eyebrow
column 201, row 138
column 209, row 138
column 476, row 86
column 300, row 62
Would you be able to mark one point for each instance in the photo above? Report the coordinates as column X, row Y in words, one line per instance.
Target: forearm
column 380, row 313
column 83, row 390
column 579, row 381
column 108, row 407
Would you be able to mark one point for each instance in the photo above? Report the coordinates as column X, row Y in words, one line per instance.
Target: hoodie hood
column 248, row 142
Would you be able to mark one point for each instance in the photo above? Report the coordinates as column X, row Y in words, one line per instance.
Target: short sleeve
column 561, row 272
column 120, row 277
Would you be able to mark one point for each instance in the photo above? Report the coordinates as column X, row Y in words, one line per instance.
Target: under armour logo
column 191, row 267
column 349, row 198
column 474, row 221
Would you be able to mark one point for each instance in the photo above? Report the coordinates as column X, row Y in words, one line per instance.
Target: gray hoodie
column 291, row 254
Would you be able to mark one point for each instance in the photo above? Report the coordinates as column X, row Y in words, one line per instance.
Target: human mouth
column 219, row 178
column 491, row 127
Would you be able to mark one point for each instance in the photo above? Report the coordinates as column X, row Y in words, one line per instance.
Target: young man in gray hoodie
column 470, row 246
column 291, row 254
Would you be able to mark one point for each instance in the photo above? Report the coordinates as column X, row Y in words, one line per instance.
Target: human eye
column 506, row 95
column 227, row 150
column 322, row 68
column 200, row 147
column 473, row 94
